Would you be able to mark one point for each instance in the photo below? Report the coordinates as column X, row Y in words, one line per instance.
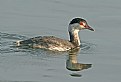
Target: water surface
column 23, row 19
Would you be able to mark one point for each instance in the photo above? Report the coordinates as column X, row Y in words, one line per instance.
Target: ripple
column 7, row 42
column 87, row 47
column 12, row 36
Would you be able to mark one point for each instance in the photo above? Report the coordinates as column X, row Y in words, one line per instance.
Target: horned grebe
column 58, row 44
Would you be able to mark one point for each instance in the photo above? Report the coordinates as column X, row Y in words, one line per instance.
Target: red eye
column 81, row 23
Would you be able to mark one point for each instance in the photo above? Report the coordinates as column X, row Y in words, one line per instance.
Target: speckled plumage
column 48, row 42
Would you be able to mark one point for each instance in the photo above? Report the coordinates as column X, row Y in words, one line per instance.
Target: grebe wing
column 47, row 41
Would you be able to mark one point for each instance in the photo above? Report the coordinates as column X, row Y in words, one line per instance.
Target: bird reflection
column 72, row 62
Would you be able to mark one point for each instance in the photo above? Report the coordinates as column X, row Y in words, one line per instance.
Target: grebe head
column 75, row 26
column 79, row 24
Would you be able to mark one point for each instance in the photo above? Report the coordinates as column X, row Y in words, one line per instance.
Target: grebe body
column 58, row 44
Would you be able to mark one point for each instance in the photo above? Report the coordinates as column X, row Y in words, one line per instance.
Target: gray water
column 22, row 19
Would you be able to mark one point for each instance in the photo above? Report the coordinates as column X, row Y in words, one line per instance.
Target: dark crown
column 77, row 20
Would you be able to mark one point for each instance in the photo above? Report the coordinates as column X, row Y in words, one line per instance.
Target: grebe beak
column 89, row 28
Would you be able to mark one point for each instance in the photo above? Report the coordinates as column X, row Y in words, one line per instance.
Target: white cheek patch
column 73, row 26
column 82, row 26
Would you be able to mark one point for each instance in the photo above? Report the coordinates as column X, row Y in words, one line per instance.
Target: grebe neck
column 74, row 37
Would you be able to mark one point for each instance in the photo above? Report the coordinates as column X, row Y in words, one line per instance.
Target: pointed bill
column 90, row 28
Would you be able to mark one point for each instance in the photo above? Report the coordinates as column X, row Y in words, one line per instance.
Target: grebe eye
column 82, row 23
